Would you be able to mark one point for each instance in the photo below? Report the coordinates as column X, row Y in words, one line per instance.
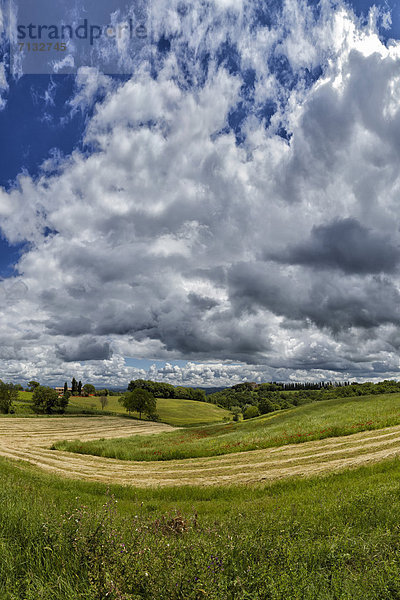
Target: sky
column 223, row 209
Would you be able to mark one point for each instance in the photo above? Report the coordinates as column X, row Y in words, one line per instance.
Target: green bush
column 250, row 411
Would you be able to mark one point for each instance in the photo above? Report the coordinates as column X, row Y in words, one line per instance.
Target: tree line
column 257, row 399
column 166, row 390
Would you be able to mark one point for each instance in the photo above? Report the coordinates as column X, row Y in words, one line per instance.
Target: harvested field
column 30, row 440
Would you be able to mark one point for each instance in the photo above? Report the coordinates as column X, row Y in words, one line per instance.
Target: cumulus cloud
column 238, row 208
column 345, row 244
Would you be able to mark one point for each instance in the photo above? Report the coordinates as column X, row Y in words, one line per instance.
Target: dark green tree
column 8, row 395
column 140, row 401
column 74, row 386
column 32, row 385
column 45, row 399
column 88, row 389
column 79, row 388
column 65, row 388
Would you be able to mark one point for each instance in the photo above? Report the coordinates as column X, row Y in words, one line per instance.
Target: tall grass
column 325, row 539
column 315, row 421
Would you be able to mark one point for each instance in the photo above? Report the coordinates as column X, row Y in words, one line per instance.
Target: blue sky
column 189, row 217
column 37, row 119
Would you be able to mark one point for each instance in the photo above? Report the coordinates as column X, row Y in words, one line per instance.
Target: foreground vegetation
column 315, row 421
column 329, row 538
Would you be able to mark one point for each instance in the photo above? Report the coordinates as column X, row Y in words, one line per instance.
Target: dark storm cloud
column 69, row 326
column 322, row 299
column 344, row 244
column 84, row 349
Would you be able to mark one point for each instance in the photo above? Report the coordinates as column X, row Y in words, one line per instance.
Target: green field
column 322, row 539
column 318, row 420
column 173, row 411
column 335, row 537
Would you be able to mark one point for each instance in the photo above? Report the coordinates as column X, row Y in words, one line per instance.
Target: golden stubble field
column 29, row 439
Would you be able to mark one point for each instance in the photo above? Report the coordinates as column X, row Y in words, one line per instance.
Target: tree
column 250, row 411
column 65, row 388
column 103, row 402
column 32, row 385
column 141, row 401
column 89, row 389
column 236, row 412
column 45, row 399
column 8, row 394
column 74, row 386
column 79, row 388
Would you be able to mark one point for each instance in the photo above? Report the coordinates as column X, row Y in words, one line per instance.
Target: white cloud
column 167, row 237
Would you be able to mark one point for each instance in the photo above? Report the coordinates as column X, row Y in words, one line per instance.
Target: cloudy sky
column 227, row 211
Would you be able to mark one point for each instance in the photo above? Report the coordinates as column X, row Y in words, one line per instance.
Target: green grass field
column 314, row 421
column 171, row 410
column 327, row 538
column 180, row 413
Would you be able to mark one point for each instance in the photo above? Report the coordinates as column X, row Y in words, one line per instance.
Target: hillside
column 329, row 418
column 172, row 411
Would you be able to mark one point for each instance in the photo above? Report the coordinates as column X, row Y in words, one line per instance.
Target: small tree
column 79, row 387
column 103, row 402
column 236, row 412
column 140, row 401
column 89, row 389
column 32, row 385
column 65, row 388
column 8, row 394
column 45, row 399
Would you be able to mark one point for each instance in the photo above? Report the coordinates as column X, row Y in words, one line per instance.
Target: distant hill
column 211, row 390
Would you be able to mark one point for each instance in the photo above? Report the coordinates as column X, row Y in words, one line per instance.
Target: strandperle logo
column 84, row 31
column 54, row 37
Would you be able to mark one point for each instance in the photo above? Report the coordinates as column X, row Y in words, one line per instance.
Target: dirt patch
column 30, row 440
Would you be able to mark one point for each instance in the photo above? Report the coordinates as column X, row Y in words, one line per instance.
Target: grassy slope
column 310, row 422
column 331, row 538
column 172, row 411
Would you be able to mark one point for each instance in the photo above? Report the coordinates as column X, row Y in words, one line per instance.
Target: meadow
column 173, row 411
column 330, row 538
column 316, row 421
column 176, row 412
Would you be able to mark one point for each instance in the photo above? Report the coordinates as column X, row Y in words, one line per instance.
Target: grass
column 180, row 413
column 314, row 421
column 329, row 538
column 170, row 410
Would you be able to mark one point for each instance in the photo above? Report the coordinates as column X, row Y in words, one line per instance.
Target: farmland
column 316, row 518
column 326, row 538
column 172, row 411
column 316, row 421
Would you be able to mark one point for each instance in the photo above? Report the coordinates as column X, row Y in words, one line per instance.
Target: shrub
column 250, row 411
